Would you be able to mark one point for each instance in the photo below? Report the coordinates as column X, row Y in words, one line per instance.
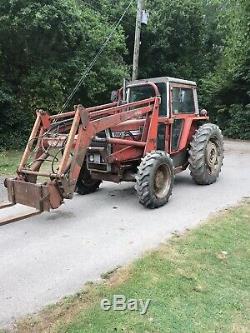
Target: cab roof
column 167, row 79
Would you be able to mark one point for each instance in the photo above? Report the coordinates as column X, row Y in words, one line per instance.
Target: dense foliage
column 226, row 90
column 46, row 45
column 44, row 48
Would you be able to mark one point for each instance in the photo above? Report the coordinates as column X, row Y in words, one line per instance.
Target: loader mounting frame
column 71, row 134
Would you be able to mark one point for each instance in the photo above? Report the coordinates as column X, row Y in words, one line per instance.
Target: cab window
column 144, row 92
column 183, row 100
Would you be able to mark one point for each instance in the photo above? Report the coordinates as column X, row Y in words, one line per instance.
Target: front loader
column 150, row 132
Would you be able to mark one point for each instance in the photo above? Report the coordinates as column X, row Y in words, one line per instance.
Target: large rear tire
column 155, row 179
column 86, row 184
column 206, row 154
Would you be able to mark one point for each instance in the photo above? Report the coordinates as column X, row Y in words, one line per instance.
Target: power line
column 93, row 62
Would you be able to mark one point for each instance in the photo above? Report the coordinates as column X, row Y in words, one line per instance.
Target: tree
column 45, row 46
column 227, row 90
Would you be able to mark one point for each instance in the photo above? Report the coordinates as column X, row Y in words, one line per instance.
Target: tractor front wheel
column 86, row 184
column 155, row 179
column 206, row 154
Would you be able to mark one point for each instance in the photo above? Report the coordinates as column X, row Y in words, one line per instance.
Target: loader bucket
column 39, row 196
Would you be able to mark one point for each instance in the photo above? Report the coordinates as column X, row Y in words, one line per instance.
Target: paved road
column 53, row 255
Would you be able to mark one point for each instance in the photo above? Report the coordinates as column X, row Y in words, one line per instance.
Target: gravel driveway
column 47, row 257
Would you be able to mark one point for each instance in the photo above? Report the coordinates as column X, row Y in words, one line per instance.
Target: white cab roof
column 167, row 79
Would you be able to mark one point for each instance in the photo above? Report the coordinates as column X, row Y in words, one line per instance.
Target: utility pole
column 140, row 4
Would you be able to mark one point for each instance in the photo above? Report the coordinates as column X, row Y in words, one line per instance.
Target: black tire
column 86, row 184
column 206, row 154
column 155, row 179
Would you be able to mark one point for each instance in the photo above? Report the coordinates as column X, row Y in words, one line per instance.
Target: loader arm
column 71, row 134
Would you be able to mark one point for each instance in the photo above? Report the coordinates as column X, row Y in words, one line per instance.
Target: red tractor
column 152, row 130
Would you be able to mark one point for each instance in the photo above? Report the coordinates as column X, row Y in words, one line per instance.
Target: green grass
column 9, row 161
column 198, row 283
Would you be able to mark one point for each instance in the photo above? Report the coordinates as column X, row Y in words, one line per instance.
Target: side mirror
column 114, row 96
column 203, row 113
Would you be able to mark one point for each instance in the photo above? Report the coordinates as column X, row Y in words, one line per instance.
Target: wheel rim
column 212, row 156
column 162, row 181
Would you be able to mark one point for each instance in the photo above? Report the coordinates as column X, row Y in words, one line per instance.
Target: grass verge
column 9, row 161
column 198, row 282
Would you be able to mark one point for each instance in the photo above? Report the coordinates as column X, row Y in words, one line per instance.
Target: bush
column 235, row 121
column 45, row 46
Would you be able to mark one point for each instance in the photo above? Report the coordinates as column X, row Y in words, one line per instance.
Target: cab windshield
column 143, row 92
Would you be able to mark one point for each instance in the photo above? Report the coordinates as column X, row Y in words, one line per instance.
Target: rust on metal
column 125, row 142
column 69, row 143
column 54, row 196
column 29, row 194
column 32, row 137
column 37, row 173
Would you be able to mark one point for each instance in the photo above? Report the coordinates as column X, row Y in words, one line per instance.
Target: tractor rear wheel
column 86, row 184
column 206, row 154
column 155, row 179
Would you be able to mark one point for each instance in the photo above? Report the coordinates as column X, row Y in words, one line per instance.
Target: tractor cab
column 174, row 125
column 177, row 96
column 178, row 107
